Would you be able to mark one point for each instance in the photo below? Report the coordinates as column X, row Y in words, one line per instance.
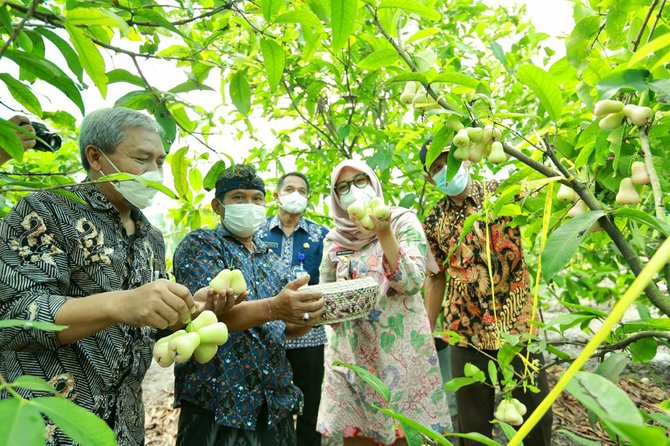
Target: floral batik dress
column 394, row 342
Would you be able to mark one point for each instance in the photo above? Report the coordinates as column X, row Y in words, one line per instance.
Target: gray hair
column 105, row 129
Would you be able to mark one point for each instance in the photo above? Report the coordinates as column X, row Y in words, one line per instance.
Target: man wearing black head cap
column 472, row 310
column 245, row 394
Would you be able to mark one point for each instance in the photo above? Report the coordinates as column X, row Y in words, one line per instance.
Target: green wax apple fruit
column 214, row 334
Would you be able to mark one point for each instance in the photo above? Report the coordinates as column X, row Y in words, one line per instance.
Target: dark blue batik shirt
column 305, row 242
column 251, row 368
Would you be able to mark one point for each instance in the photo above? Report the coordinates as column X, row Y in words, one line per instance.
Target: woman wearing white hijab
column 394, row 342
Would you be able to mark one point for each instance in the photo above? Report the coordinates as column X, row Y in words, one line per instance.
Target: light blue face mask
column 457, row 184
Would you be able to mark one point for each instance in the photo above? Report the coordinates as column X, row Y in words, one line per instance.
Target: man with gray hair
column 92, row 262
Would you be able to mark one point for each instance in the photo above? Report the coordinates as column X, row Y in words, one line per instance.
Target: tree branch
column 638, row 39
column 658, row 16
column 17, row 30
column 662, row 302
column 406, row 57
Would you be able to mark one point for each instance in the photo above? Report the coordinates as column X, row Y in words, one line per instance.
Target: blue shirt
column 251, row 368
column 307, row 239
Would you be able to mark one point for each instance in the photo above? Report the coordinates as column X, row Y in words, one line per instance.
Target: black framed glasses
column 360, row 181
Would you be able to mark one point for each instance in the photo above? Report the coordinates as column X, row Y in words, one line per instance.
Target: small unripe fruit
column 382, row 212
column 356, row 209
column 366, row 222
column 461, row 139
column 476, row 152
column 520, row 407
column 423, row 100
column 579, row 208
column 507, row 413
column 221, row 282
column 639, row 173
column 462, row 153
column 454, row 123
column 497, row 155
column 607, row 106
column 476, row 134
column 611, row 121
column 638, row 116
column 184, row 346
column 205, row 352
column 491, row 134
column 627, row 193
column 374, row 202
column 214, row 334
column 237, row 282
column 204, row 319
column 408, row 92
column 566, row 193
column 163, row 355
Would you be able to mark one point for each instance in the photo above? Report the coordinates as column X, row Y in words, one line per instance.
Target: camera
column 52, row 140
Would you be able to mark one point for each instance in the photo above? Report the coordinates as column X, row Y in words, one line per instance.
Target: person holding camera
column 94, row 264
column 27, row 141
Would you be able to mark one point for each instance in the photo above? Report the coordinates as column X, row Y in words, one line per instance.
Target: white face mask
column 293, row 203
column 137, row 194
column 366, row 194
column 243, row 220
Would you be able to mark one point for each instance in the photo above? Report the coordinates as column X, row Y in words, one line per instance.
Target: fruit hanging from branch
column 627, row 193
column 508, row 413
column 607, row 106
column 639, row 173
column 638, row 116
column 409, row 92
column 612, row 121
column 566, row 193
column 497, row 154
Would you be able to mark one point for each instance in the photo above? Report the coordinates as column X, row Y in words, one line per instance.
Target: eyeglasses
column 360, row 181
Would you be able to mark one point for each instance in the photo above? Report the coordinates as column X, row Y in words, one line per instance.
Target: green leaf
column 66, row 50
column 423, row 430
column 273, row 56
column 168, row 124
column 661, row 87
column 151, row 15
column 493, row 373
column 138, row 100
column 10, row 141
column 646, row 324
column 441, row 138
column 48, row 72
column 643, row 350
column 124, row 176
column 76, row 422
column 90, row 57
column 210, row 179
column 34, row 383
column 456, row 383
column 96, row 17
column 179, row 166
column 342, row 20
column 411, row 76
column 379, row 59
column 579, row 440
column 412, row 7
column 377, row 384
column 458, row 79
column 22, row 94
column 498, row 52
column 46, row 326
column 545, row 88
column 382, row 160
column 270, row 8
column 644, row 218
column 20, row 423
column 475, row 436
column 564, row 241
column 613, row 365
column 604, row 398
column 305, row 17
column 658, row 43
column 626, row 80
column 121, row 75
column 190, row 85
column 240, row 92
column 424, row 33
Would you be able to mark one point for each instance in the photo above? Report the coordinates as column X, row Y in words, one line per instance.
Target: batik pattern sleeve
column 408, row 275
column 328, row 269
column 197, row 260
column 431, row 227
column 32, row 264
